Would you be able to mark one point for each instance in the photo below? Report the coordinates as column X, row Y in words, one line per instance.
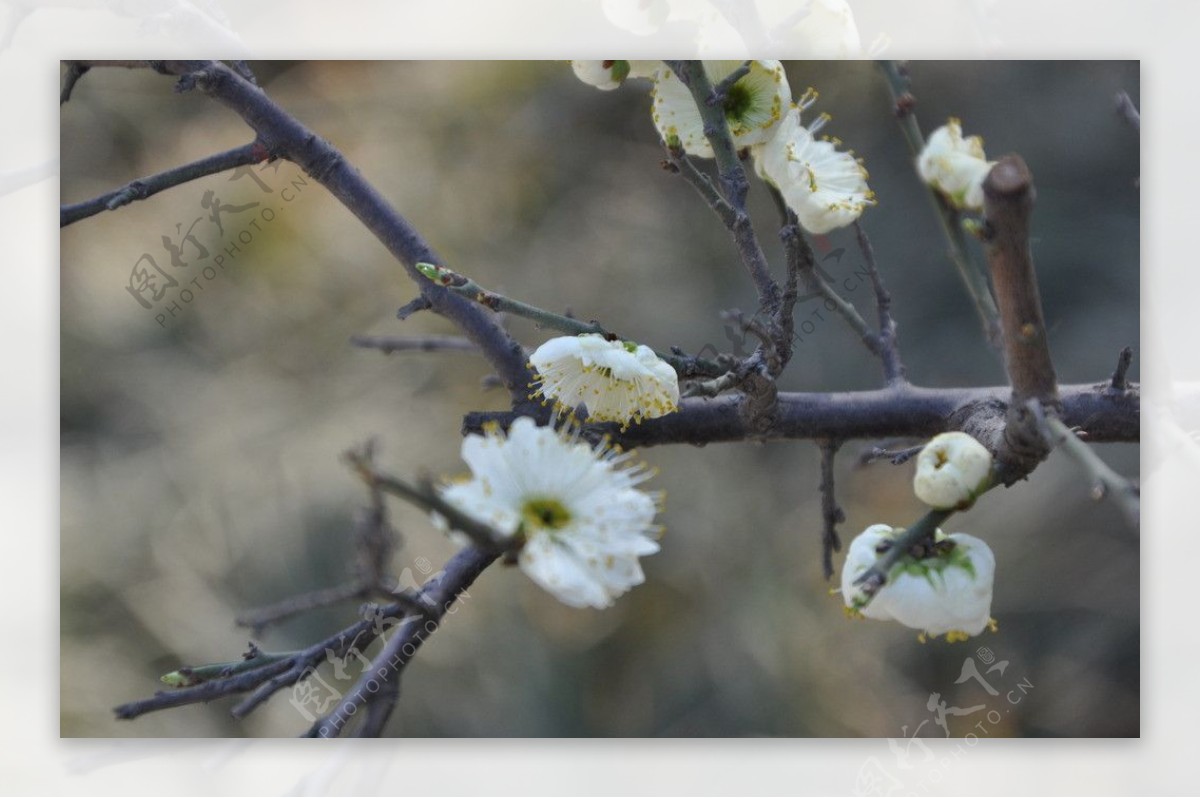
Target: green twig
column 972, row 277
column 872, row 580
column 191, row 675
column 464, row 286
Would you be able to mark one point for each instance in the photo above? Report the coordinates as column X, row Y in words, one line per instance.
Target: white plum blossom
column 955, row 166
column 825, row 188
column 952, row 470
column 583, row 520
column 618, row 380
column 754, row 105
column 947, row 593
column 608, row 75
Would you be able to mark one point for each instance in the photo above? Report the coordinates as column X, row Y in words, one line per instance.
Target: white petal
column 765, row 90
column 589, row 554
column 825, row 188
column 954, row 165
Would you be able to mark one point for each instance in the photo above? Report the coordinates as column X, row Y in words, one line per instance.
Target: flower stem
column 972, row 277
column 465, row 286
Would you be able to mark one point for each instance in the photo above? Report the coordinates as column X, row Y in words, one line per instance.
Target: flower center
column 738, row 100
column 545, row 514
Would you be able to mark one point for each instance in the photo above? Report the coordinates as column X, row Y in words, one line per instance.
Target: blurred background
column 200, row 471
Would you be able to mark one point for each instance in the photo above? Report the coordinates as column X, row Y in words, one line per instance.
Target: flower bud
column 952, row 470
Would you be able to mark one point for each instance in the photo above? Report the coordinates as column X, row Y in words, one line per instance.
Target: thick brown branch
column 908, row 412
column 1008, row 205
column 831, row 513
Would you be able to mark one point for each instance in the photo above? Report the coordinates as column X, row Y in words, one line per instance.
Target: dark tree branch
column 439, row 594
column 74, row 71
column 801, row 261
column 831, row 513
column 909, row 412
column 142, row 188
column 286, row 137
column 1008, row 205
column 889, row 348
column 1124, row 361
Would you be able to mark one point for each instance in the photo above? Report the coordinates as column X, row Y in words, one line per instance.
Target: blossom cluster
column 941, row 586
column 825, row 187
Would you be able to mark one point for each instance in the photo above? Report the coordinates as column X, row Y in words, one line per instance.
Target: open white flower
column 608, row 75
column 584, row 521
column 952, row 470
column 825, row 188
column 955, row 166
column 754, row 105
column 948, row 592
column 617, row 380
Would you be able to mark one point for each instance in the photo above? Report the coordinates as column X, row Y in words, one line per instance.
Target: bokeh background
column 200, row 471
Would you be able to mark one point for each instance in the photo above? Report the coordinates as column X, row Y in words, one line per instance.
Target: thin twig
column 872, row 580
column 1119, row 380
column 681, row 163
column 416, row 343
column 415, row 306
column 732, row 176
column 973, row 279
column 140, row 189
column 427, row 498
column 711, row 387
column 74, row 71
column 831, row 513
column 896, row 456
column 889, row 347
column 440, row 594
column 721, row 90
column 464, row 286
column 801, row 261
column 260, row 618
column 1105, row 481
